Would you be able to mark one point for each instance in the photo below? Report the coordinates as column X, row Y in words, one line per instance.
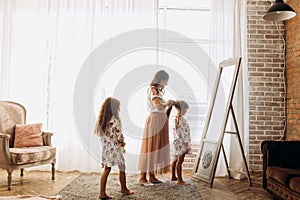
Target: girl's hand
column 123, row 144
column 187, row 147
column 187, row 151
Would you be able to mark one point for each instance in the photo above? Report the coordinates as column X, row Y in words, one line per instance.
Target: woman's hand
column 170, row 102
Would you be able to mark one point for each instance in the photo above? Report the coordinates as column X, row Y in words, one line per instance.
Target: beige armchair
column 12, row 113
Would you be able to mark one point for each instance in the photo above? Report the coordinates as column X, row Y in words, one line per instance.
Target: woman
column 155, row 148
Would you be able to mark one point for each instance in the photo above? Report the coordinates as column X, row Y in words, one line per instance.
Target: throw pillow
column 28, row 135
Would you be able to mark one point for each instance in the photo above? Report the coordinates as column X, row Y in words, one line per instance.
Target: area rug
column 86, row 187
column 30, row 197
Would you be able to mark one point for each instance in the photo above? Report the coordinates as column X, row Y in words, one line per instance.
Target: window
column 192, row 19
column 192, row 22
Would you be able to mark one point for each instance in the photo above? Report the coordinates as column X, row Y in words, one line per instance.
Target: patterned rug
column 86, row 187
column 30, row 197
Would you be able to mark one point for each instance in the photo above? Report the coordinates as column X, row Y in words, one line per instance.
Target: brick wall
column 293, row 73
column 266, row 80
column 190, row 159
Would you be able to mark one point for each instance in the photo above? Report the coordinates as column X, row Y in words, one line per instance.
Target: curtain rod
column 186, row 9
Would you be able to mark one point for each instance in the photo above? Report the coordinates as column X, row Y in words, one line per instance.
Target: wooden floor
column 40, row 183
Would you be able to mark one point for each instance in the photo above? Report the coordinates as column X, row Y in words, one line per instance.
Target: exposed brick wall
column 293, row 73
column 266, row 80
column 190, row 159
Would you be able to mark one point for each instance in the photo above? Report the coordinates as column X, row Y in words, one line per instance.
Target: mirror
column 217, row 117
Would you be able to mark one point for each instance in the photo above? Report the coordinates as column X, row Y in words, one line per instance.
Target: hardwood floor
column 225, row 188
column 35, row 183
column 40, row 183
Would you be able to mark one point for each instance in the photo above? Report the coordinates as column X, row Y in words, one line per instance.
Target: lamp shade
column 280, row 11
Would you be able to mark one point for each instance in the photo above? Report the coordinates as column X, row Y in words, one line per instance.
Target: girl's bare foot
column 154, row 180
column 183, row 183
column 126, row 192
column 104, row 196
column 174, row 179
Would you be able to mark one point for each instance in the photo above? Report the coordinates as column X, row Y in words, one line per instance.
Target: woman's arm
column 160, row 105
column 156, row 99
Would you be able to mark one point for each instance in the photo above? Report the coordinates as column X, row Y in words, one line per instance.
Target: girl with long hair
column 108, row 128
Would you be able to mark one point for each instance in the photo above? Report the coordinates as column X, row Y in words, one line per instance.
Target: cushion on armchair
column 282, row 175
column 31, row 154
column 28, row 135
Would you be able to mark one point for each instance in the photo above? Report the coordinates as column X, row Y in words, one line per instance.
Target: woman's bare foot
column 154, row 180
column 183, row 183
column 104, row 196
column 143, row 181
column 174, row 179
column 126, row 192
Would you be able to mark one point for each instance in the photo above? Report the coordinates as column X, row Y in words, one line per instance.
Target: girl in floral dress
column 108, row 128
column 182, row 141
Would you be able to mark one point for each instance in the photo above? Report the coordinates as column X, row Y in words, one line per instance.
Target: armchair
column 11, row 158
column 281, row 168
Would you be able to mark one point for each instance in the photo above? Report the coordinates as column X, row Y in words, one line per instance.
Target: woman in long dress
column 155, row 148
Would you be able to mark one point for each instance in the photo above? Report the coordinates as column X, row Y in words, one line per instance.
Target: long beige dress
column 155, row 148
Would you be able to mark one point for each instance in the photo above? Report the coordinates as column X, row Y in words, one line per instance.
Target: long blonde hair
column 110, row 107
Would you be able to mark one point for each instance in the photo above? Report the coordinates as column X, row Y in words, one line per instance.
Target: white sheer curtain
column 23, row 62
column 5, row 16
column 81, row 27
column 43, row 45
column 228, row 39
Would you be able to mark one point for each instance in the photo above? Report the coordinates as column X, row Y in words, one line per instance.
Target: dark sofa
column 281, row 168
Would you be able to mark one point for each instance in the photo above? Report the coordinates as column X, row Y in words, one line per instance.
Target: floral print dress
column 112, row 153
column 181, row 132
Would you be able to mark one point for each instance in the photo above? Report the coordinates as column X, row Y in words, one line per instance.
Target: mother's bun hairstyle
column 158, row 77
